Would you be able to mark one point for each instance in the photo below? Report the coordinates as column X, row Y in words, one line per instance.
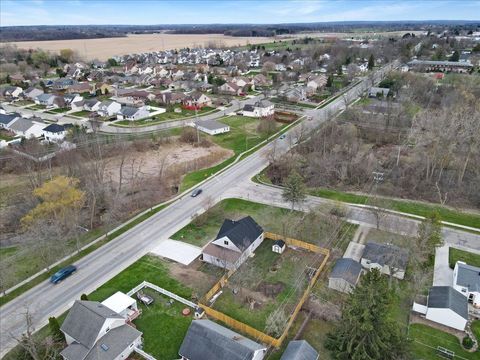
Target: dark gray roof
column 299, row 350
column 280, row 243
column 210, row 124
column 386, row 254
column 206, row 340
column 242, row 232
column 128, row 111
column 446, row 297
column 75, row 351
column 468, row 276
column 346, row 269
column 116, row 341
column 5, row 119
column 54, row 128
column 21, row 124
column 248, row 107
column 85, row 319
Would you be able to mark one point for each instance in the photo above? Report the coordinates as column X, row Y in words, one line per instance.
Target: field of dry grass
column 103, row 49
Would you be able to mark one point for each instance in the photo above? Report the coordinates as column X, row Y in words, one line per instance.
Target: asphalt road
column 47, row 300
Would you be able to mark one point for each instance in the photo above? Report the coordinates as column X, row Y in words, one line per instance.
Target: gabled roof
column 242, row 232
column 21, row 125
column 346, row 269
column 54, row 128
column 299, row 350
column 206, row 340
column 5, row 119
column 386, row 254
column 85, row 320
column 446, row 297
column 128, row 111
column 468, row 276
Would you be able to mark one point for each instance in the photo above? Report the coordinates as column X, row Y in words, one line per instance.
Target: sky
column 150, row 12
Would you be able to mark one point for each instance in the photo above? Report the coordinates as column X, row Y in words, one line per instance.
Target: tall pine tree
column 366, row 330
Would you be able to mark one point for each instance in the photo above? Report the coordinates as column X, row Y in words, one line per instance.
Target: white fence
column 143, row 354
column 146, row 284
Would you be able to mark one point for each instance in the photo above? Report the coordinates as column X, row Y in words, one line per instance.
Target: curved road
column 46, row 299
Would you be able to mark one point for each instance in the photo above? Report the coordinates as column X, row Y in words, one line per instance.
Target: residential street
column 47, row 300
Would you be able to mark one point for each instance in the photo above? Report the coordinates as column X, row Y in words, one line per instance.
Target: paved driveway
column 442, row 274
column 178, row 251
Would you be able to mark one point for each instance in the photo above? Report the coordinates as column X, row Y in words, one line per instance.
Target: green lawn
column 7, row 251
column 295, row 224
column 37, row 107
column 163, row 326
column 58, row 111
column 475, row 326
column 455, row 255
column 4, row 136
column 243, row 135
column 426, row 339
column 82, row 113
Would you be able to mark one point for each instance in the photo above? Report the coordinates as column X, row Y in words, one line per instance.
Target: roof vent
column 104, row 347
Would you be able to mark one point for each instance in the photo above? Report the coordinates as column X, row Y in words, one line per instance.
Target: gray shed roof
column 206, row 340
column 346, row 269
column 446, row 297
column 299, row 350
column 210, row 124
column 468, row 276
column 242, row 232
column 386, row 254
column 85, row 319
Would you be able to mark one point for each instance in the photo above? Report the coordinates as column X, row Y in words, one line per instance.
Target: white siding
column 446, row 317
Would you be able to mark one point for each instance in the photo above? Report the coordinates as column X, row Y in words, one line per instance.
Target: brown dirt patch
column 270, row 290
column 189, row 275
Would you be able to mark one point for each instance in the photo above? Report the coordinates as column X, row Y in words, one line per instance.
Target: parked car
column 283, row 136
column 196, row 192
column 63, row 274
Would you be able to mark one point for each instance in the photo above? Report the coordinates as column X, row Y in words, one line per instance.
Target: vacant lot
column 103, row 49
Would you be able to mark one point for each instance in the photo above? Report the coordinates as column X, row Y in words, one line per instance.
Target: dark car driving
column 63, row 274
column 196, row 192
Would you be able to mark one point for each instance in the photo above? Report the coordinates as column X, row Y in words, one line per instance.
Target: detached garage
column 212, row 127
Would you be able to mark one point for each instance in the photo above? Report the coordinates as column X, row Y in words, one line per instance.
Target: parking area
column 178, row 251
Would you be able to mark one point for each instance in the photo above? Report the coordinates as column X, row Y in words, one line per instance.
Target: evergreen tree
column 455, row 56
column 329, row 81
column 366, row 331
column 294, row 191
column 371, row 62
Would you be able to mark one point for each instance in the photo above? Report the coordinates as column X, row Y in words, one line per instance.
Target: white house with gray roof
column 96, row 332
column 211, row 127
column 466, row 280
column 206, row 340
column 109, row 108
column 445, row 306
column 132, row 113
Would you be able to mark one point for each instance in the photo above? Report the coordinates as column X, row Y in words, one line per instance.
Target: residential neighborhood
column 281, row 180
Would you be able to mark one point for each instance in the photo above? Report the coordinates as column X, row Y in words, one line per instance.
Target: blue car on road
column 63, row 274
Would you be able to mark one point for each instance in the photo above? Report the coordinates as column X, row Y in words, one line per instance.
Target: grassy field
column 37, row 107
column 243, row 135
column 166, row 116
column 7, row 251
column 163, row 326
column 426, row 339
column 475, row 326
column 4, row 136
column 58, row 110
column 455, row 255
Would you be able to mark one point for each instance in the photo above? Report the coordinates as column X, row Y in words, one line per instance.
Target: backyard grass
column 7, row 251
column 455, row 255
column 4, row 136
column 37, row 107
column 475, row 326
column 243, row 135
column 58, row 110
column 425, row 341
column 163, row 326
column 257, row 272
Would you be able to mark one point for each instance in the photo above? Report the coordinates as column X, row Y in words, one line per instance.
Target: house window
column 225, row 242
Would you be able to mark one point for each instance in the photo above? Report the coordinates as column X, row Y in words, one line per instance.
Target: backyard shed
column 279, row 246
column 344, row 275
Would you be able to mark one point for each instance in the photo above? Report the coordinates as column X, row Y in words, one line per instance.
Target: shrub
column 467, row 342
